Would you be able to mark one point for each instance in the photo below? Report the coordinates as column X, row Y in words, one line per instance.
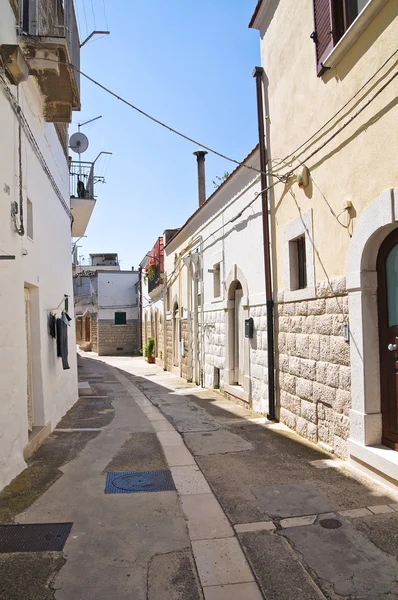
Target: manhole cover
column 130, row 482
column 330, row 523
column 43, row 537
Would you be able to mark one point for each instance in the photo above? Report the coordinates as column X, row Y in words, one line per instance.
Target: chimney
column 200, row 156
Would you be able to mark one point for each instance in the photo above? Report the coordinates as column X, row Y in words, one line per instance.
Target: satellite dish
column 78, row 142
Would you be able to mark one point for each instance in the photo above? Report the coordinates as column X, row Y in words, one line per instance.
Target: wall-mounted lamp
column 303, row 178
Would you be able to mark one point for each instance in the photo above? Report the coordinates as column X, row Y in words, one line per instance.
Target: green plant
column 151, row 273
column 149, row 347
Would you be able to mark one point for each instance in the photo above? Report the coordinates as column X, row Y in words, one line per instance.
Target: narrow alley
column 171, row 491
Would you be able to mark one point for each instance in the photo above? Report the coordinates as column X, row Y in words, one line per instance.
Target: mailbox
column 249, row 327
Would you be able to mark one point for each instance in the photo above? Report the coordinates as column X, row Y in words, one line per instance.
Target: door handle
column 392, row 347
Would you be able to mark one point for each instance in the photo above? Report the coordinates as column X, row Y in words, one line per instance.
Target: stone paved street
column 257, row 512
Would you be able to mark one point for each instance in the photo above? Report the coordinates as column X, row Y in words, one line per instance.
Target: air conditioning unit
column 17, row 68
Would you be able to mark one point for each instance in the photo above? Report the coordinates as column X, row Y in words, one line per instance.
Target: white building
column 37, row 96
column 107, row 311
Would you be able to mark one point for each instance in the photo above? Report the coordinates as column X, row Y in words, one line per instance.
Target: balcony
column 49, row 38
column 82, row 199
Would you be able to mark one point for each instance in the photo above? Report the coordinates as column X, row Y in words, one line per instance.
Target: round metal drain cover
column 135, row 482
column 330, row 523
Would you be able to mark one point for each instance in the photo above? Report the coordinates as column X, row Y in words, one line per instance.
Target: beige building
column 330, row 86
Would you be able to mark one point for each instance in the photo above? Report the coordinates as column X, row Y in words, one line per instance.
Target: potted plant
column 149, row 349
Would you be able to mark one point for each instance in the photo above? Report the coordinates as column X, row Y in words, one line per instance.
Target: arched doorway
column 237, row 327
column 387, row 299
column 176, row 336
column 237, row 346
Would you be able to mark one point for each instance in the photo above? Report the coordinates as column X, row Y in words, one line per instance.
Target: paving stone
column 344, row 559
column 206, row 519
column 355, row 513
column 278, row 569
column 381, row 509
column 237, row 591
column 298, row 521
column 189, row 480
column 216, row 442
column 177, row 456
column 169, row 438
column 259, row 526
column 221, row 562
column 291, row 500
column 394, row 506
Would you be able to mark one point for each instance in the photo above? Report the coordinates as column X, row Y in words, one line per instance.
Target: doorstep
column 36, row 437
column 379, row 462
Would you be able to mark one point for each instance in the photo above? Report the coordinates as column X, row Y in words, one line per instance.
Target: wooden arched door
column 387, row 292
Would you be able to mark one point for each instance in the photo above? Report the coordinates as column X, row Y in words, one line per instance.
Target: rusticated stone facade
column 94, row 333
column 314, row 367
column 214, row 328
column 169, row 344
column 259, row 359
column 184, row 359
column 118, row 339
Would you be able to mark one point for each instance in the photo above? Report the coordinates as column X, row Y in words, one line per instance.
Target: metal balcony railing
column 81, row 179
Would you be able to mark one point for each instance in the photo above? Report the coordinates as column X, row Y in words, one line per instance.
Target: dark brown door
column 88, row 329
column 387, row 279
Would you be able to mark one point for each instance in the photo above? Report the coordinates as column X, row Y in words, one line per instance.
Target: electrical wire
column 105, row 15
column 341, row 109
column 92, row 10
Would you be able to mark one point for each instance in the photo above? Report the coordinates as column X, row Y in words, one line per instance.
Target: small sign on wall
column 249, row 327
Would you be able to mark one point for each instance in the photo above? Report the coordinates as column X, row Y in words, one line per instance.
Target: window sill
column 237, row 391
column 354, row 32
column 217, row 299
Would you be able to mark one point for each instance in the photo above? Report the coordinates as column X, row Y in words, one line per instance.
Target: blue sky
column 190, row 65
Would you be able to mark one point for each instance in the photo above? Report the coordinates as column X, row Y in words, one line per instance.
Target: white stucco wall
column 226, row 231
column 117, row 293
column 43, row 265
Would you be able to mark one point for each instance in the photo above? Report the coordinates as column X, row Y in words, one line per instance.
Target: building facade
column 329, row 120
column 37, row 96
column 107, row 311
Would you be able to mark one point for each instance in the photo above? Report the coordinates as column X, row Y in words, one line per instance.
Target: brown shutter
column 323, row 32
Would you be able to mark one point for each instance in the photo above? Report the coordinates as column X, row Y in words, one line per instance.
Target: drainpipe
column 258, row 74
column 200, row 156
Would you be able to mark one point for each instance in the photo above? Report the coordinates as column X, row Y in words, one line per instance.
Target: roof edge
column 255, row 14
column 233, row 173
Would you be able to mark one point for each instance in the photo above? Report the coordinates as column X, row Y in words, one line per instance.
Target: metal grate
column 131, row 482
column 43, row 537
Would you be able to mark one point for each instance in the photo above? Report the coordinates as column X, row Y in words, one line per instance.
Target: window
column 120, row 318
column 216, row 281
column 29, row 219
column 301, row 263
column 299, row 270
column 332, row 18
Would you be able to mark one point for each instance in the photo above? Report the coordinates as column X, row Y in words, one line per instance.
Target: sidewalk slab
column 221, row 562
column 206, row 519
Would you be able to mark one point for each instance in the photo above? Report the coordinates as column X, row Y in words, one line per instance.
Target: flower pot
column 150, row 359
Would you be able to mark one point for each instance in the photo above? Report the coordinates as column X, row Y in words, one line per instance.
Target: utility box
column 249, row 327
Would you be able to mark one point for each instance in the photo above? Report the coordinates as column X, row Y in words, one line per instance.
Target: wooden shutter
column 323, row 35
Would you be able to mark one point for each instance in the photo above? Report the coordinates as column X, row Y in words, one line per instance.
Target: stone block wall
column 118, row 339
column 259, row 360
column 214, row 329
column 169, row 344
column 94, row 333
column 314, row 366
column 184, row 359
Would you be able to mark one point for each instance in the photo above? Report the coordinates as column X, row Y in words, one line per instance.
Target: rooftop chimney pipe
column 200, row 156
